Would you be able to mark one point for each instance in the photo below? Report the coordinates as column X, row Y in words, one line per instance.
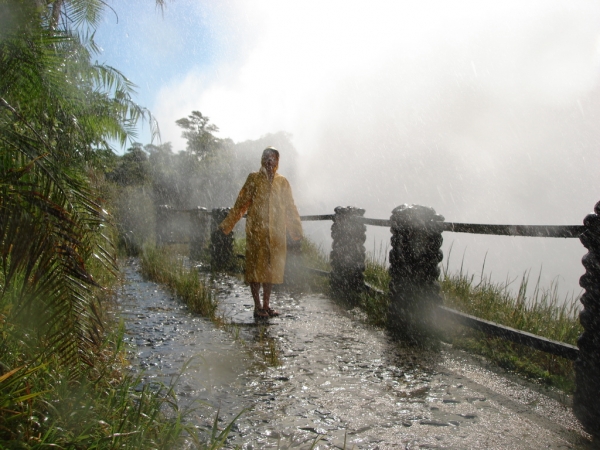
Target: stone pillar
column 586, row 404
column 163, row 213
column 348, row 253
column 199, row 233
column 414, row 270
column 221, row 245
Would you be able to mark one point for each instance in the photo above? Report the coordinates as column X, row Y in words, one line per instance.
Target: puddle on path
column 328, row 374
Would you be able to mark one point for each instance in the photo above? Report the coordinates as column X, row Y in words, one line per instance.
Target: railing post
column 221, row 245
column 162, row 222
column 200, row 220
column 348, row 253
column 414, row 270
column 586, row 404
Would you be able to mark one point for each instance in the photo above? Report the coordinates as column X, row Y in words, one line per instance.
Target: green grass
column 239, row 246
column 314, row 256
column 376, row 304
column 297, row 277
column 542, row 313
column 165, row 266
column 376, row 273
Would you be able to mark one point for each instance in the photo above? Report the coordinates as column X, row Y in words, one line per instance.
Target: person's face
column 270, row 162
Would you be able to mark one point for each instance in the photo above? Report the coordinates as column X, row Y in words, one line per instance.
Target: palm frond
column 56, row 110
column 85, row 12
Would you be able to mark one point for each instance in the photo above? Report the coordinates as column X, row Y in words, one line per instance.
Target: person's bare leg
column 266, row 297
column 259, row 312
column 255, row 289
column 266, row 294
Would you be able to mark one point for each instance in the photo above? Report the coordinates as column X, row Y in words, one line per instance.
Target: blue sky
column 153, row 47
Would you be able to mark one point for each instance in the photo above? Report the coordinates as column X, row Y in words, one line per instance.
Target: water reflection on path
column 320, row 371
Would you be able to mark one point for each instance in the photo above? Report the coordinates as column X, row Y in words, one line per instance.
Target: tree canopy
column 199, row 133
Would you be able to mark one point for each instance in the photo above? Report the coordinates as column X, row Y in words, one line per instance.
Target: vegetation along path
column 320, row 376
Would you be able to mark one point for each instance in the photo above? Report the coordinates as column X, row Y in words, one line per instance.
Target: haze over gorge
column 486, row 111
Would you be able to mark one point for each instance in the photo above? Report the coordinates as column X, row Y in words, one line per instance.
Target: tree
column 201, row 141
column 56, row 109
column 133, row 167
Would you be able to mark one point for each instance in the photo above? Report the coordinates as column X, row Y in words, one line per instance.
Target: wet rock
column 475, row 399
column 272, row 434
column 434, row 423
column 311, row 429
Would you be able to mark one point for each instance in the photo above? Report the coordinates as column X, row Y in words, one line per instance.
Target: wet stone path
column 319, row 372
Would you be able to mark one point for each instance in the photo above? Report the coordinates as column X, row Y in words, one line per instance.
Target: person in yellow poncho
column 272, row 214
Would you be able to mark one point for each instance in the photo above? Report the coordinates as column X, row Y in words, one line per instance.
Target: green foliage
column 543, row 313
column 164, row 175
column 248, row 154
column 209, row 173
column 312, row 256
column 60, row 375
column 204, row 170
column 56, row 108
column 152, row 175
column 132, row 168
column 375, row 305
column 376, row 273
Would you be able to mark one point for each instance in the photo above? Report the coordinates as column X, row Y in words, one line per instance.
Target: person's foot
column 260, row 313
column 271, row 312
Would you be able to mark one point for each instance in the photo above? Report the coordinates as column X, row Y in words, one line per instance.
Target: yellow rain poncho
column 271, row 214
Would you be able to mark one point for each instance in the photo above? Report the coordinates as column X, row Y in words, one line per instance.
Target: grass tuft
column 543, row 313
column 164, row 266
